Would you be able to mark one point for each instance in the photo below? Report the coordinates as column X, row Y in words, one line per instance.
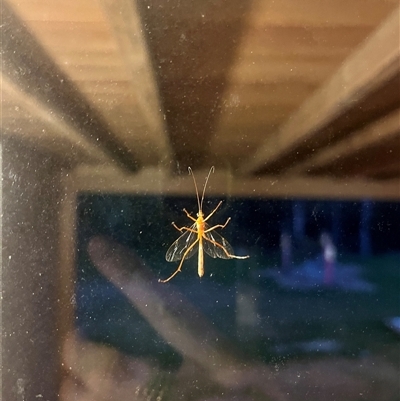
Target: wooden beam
column 31, row 189
column 371, row 66
column 28, row 66
column 386, row 171
column 125, row 20
column 24, row 116
column 153, row 181
column 385, row 128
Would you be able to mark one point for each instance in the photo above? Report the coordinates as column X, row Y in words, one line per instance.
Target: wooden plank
column 386, row 128
column 58, row 10
column 320, row 13
column 125, row 20
column 302, row 42
column 28, row 66
column 154, row 181
column 373, row 64
column 57, row 36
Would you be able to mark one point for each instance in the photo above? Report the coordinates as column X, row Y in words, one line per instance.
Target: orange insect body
column 199, row 233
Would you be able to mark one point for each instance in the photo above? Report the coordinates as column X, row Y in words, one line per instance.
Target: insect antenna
column 205, row 185
column 195, row 185
column 200, row 203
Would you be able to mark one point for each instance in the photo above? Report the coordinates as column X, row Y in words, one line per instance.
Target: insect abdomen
column 200, row 265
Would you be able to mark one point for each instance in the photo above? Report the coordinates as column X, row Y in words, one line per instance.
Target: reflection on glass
column 300, row 303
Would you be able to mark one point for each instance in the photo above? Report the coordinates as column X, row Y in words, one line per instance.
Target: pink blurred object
column 329, row 254
column 323, row 271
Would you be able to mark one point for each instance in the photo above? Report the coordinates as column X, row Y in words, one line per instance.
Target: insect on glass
column 200, row 236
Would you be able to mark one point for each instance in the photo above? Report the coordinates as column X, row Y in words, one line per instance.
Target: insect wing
column 217, row 251
column 179, row 247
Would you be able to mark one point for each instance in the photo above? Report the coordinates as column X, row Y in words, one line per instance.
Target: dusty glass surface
column 106, row 105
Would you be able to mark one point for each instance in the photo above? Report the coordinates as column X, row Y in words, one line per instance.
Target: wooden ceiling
column 303, row 95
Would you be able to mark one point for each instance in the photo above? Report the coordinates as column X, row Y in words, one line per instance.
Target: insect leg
column 184, row 228
column 188, row 215
column 175, row 226
column 226, row 252
column 219, row 204
column 180, row 264
column 218, row 226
